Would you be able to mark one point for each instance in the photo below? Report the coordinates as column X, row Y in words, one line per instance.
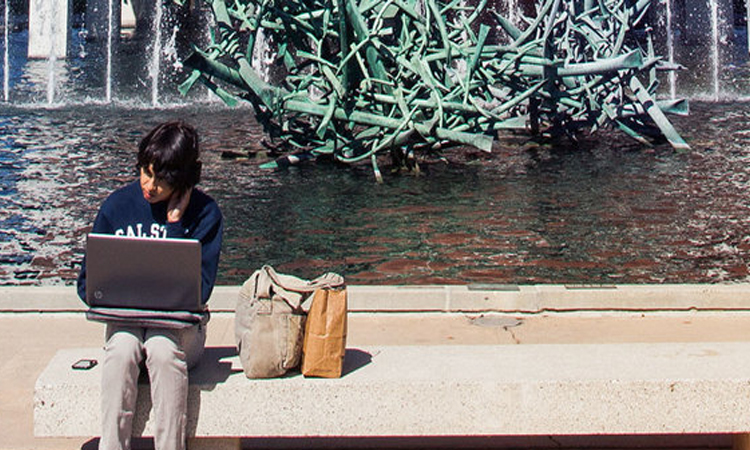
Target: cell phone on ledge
column 84, row 364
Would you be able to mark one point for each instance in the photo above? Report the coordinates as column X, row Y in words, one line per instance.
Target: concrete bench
column 431, row 391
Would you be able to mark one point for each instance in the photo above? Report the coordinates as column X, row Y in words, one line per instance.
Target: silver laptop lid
column 143, row 273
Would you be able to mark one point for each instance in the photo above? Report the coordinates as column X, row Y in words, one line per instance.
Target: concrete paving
column 34, row 326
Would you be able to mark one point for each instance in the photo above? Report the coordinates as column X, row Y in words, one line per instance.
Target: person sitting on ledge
column 163, row 203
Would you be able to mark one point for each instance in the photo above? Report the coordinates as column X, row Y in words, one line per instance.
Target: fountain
column 601, row 209
column 156, row 48
column 48, row 28
column 678, row 45
column 6, row 51
column 511, row 6
column 715, row 47
column 97, row 72
column 670, row 49
column 262, row 55
column 110, row 40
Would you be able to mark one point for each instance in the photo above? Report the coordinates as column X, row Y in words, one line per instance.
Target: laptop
column 143, row 273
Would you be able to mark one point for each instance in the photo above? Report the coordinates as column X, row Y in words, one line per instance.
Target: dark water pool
column 604, row 211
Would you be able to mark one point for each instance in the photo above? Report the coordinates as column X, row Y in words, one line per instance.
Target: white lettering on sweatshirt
column 155, row 231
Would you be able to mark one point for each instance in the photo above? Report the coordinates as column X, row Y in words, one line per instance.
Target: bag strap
column 291, row 289
column 266, row 283
column 328, row 280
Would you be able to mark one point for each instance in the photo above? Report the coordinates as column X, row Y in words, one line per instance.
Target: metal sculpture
column 408, row 77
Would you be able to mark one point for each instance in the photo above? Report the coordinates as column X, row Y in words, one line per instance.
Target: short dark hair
column 172, row 149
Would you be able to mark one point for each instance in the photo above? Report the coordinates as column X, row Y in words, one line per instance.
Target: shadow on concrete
column 214, row 367
column 212, row 370
column 355, row 359
column 91, row 444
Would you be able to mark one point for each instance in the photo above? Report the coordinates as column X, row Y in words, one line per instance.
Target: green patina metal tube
column 374, row 76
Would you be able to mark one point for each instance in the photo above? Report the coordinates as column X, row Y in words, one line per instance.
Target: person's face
column 155, row 189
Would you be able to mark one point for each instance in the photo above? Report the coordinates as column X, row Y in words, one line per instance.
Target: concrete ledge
column 470, row 298
column 538, row 298
column 522, row 390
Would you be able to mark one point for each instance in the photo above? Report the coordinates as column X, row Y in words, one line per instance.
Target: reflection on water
column 606, row 211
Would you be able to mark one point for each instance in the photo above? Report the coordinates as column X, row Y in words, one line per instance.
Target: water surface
column 604, row 210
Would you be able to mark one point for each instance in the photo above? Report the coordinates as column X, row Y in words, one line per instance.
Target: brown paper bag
column 325, row 334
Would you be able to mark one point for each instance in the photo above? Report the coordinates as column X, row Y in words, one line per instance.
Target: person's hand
column 177, row 205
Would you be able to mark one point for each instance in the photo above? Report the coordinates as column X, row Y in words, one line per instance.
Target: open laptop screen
column 143, row 273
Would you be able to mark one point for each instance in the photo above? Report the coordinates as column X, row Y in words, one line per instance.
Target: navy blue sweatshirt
column 126, row 213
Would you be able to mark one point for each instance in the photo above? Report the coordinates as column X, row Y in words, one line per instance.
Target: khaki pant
column 167, row 354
